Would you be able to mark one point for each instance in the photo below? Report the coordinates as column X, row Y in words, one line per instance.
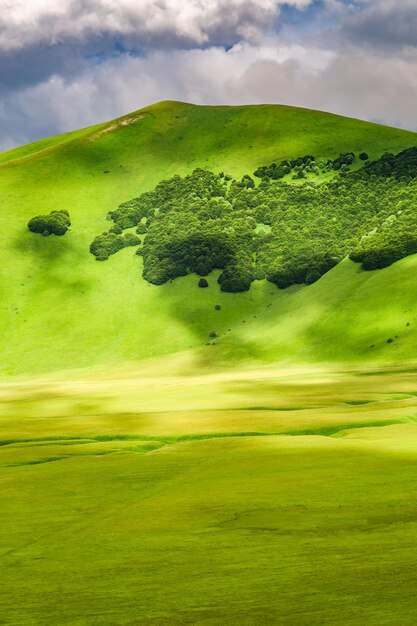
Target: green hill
column 60, row 309
column 171, row 454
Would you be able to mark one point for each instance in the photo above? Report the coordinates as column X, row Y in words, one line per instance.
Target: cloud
column 148, row 22
column 42, row 38
column 383, row 23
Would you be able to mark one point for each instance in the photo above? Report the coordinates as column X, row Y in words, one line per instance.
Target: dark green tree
column 56, row 223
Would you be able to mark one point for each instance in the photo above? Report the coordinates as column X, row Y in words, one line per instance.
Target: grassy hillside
column 348, row 315
column 61, row 309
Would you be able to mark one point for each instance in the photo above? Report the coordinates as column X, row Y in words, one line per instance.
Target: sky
column 72, row 63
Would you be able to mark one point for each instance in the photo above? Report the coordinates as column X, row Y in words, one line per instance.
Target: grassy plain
column 264, row 497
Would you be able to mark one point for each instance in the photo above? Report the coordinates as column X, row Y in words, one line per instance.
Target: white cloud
column 27, row 23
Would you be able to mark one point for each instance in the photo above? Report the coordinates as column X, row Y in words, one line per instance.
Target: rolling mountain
column 62, row 310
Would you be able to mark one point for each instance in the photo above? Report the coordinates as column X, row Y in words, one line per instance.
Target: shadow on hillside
column 54, row 261
column 203, row 312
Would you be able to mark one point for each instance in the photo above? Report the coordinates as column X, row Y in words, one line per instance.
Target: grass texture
column 193, row 506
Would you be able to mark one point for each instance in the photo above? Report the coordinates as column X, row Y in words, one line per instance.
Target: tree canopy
column 56, row 223
column 287, row 233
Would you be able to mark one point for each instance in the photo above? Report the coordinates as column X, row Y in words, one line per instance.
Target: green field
column 149, row 478
column 265, row 497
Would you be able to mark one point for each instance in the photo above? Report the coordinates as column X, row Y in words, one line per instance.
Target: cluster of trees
column 402, row 166
column 344, row 159
column 385, row 251
column 106, row 244
column 169, row 195
column 396, row 236
column 300, row 168
column 192, row 224
column 395, row 239
column 303, row 265
column 303, row 166
column 286, row 233
column 56, row 223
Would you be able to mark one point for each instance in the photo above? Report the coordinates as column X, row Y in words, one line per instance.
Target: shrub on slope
column 56, row 223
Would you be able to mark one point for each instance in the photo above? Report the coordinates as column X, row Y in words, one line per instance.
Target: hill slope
column 60, row 309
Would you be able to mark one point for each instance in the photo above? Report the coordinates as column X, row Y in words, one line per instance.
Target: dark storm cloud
column 33, row 65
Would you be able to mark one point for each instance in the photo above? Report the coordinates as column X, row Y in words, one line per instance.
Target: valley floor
column 260, row 497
